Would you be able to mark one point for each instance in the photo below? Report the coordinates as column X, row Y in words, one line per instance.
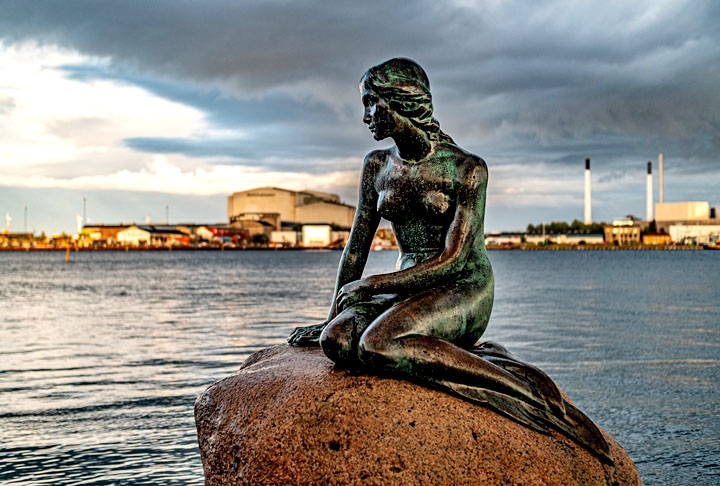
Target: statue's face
column 377, row 115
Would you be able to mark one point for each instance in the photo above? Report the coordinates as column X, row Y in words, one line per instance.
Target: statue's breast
column 418, row 191
column 436, row 202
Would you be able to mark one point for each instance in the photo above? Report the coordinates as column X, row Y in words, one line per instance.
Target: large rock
column 288, row 416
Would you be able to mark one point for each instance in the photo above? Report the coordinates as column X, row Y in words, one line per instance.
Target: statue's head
column 402, row 86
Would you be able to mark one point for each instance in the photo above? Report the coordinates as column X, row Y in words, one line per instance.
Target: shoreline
column 490, row 248
column 596, row 248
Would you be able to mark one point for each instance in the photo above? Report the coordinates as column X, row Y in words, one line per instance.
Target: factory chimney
column 649, row 205
column 660, row 175
column 588, row 199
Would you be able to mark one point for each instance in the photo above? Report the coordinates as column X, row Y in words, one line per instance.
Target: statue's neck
column 412, row 144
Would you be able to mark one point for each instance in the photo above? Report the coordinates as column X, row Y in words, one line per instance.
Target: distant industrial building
column 698, row 234
column 142, row 235
column 15, row 240
column 102, row 232
column 132, row 234
column 161, row 235
column 267, row 209
column 688, row 222
column 655, row 238
column 518, row 238
column 682, row 211
column 624, row 231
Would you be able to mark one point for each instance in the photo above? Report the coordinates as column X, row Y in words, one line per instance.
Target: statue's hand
column 306, row 336
column 352, row 293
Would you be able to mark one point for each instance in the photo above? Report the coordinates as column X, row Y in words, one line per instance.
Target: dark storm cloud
column 255, row 44
column 549, row 82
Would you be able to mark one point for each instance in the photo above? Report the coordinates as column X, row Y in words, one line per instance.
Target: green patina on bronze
column 424, row 320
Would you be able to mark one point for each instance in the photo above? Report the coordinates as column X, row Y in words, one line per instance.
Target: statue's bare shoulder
column 472, row 169
column 376, row 158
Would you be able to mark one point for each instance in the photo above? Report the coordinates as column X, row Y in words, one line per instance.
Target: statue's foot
column 306, row 336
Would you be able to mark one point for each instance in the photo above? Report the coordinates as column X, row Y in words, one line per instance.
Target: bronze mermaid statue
column 423, row 321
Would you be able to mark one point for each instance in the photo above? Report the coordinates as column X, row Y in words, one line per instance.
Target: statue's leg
column 339, row 340
column 425, row 336
column 438, row 361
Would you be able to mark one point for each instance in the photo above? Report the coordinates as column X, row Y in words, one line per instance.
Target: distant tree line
column 563, row 228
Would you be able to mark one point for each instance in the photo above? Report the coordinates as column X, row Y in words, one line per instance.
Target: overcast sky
column 149, row 109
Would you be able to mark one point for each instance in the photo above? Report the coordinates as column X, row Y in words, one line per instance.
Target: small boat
column 713, row 244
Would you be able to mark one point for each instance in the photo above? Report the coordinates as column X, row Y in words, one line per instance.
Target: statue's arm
column 355, row 254
column 367, row 219
column 462, row 236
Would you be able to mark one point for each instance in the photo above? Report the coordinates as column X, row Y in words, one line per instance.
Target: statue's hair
column 403, row 84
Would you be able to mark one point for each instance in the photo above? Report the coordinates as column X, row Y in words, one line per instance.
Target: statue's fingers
column 342, row 302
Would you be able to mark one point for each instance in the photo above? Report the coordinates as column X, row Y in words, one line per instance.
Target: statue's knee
column 336, row 342
column 328, row 337
column 373, row 348
column 331, row 342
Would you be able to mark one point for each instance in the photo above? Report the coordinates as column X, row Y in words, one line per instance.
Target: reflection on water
column 102, row 358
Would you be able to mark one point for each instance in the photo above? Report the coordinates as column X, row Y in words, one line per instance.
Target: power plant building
column 693, row 222
column 682, row 211
column 699, row 234
column 274, row 208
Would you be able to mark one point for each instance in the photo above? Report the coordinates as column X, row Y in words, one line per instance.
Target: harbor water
column 101, row 358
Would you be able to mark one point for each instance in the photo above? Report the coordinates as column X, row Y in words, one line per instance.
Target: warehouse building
column 683, row 211
column 146, row 235
column 273, row 208
column 688, row 222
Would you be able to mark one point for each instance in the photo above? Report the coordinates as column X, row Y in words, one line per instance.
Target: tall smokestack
column 649, row 205
column 588, row 198
column 660, row 181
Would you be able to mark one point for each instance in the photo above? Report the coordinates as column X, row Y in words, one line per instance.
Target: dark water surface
column 101, row 359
